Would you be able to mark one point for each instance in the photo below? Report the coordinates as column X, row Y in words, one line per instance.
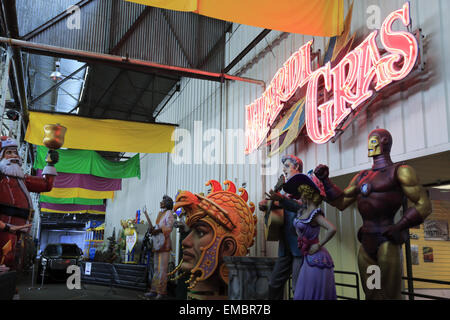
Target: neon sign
column 351, row 82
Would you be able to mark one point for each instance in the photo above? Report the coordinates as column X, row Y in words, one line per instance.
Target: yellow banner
column 78, row 193
column 103, row 135
column 323, row 18
column 72, row 212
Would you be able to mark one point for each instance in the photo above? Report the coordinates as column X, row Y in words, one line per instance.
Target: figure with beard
column 16, row 207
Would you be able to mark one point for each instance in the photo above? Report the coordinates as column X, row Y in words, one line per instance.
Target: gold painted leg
column 391, row 270
column 389, row 261
column 364, row 261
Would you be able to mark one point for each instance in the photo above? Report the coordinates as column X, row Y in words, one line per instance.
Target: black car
column 56, row 258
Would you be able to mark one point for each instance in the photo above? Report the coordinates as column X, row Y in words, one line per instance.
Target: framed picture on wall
column 435, row 229
column 428, row 254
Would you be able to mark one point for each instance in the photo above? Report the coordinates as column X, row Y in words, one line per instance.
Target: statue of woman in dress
column 316, row 278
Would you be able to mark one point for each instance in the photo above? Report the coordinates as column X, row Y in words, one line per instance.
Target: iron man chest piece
column 365, row 189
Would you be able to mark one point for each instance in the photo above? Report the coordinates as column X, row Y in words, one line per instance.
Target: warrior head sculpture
column 222, row 224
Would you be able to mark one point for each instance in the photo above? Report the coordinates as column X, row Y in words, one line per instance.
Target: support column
column 4, row 84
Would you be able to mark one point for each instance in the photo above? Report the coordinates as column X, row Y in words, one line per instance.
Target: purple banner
column 85, row 181
column 72, row 207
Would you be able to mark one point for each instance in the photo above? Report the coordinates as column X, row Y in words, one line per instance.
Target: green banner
column 90, row 162
column 83, row 201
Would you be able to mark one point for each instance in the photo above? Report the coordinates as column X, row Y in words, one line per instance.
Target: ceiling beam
column 130, row 31
column 177, row 89
column 123, row 62
column 247, row 49
column 218, row 45
column 177, row 39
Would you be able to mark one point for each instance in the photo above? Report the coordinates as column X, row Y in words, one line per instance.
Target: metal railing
column 355, row 286
column 413, row 294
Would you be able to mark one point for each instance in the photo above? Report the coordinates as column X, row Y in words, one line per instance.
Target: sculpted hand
column 394, row 234
column 322, row 172
column 24, row 228
column 180, row 225
column 177, row 224
column 54, row 157
column 262, row 205
column 314, row 248
column 274, row 195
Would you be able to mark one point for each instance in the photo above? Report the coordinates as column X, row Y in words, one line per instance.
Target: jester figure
column 379, row 194
column 221, row 224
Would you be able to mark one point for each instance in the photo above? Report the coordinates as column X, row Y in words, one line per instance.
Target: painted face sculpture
column 374, row 146
column 222, row 223
column 380, row 142
column 291, row 165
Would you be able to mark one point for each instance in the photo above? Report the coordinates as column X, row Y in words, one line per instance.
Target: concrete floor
column 57, row 290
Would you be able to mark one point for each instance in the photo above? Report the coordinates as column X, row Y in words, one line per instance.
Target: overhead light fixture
column 56, row 75
column 13, row 115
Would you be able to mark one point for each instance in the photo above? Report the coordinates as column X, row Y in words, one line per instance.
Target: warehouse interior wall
column 418, row 119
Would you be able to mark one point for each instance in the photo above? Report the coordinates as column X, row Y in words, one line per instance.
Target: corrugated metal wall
column 419, row 120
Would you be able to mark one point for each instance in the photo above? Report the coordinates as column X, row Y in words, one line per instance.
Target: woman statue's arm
column 331, row 230
column 324, row 223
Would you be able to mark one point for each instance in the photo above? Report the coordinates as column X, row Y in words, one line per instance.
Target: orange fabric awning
column 323, row 18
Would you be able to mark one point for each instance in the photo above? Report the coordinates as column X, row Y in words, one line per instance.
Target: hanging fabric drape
column 94, row 202
column 90, row 162
column 85, row 181
column 103, row 134
column 78, row 193
column 316, row 18
column 72, row 208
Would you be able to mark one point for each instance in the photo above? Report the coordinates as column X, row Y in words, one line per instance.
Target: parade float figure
column 316, row 277
column 221, row 224
column 290, row 257
column 16, row 207
column 379, row 194
column 130, row 235
column 161, row 248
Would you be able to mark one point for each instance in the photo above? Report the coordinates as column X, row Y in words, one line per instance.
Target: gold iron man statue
column 379, row 194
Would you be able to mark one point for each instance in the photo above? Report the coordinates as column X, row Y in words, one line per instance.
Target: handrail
column 413, row 294
column 424, row 296
column 356, row 286
column 427, row 280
